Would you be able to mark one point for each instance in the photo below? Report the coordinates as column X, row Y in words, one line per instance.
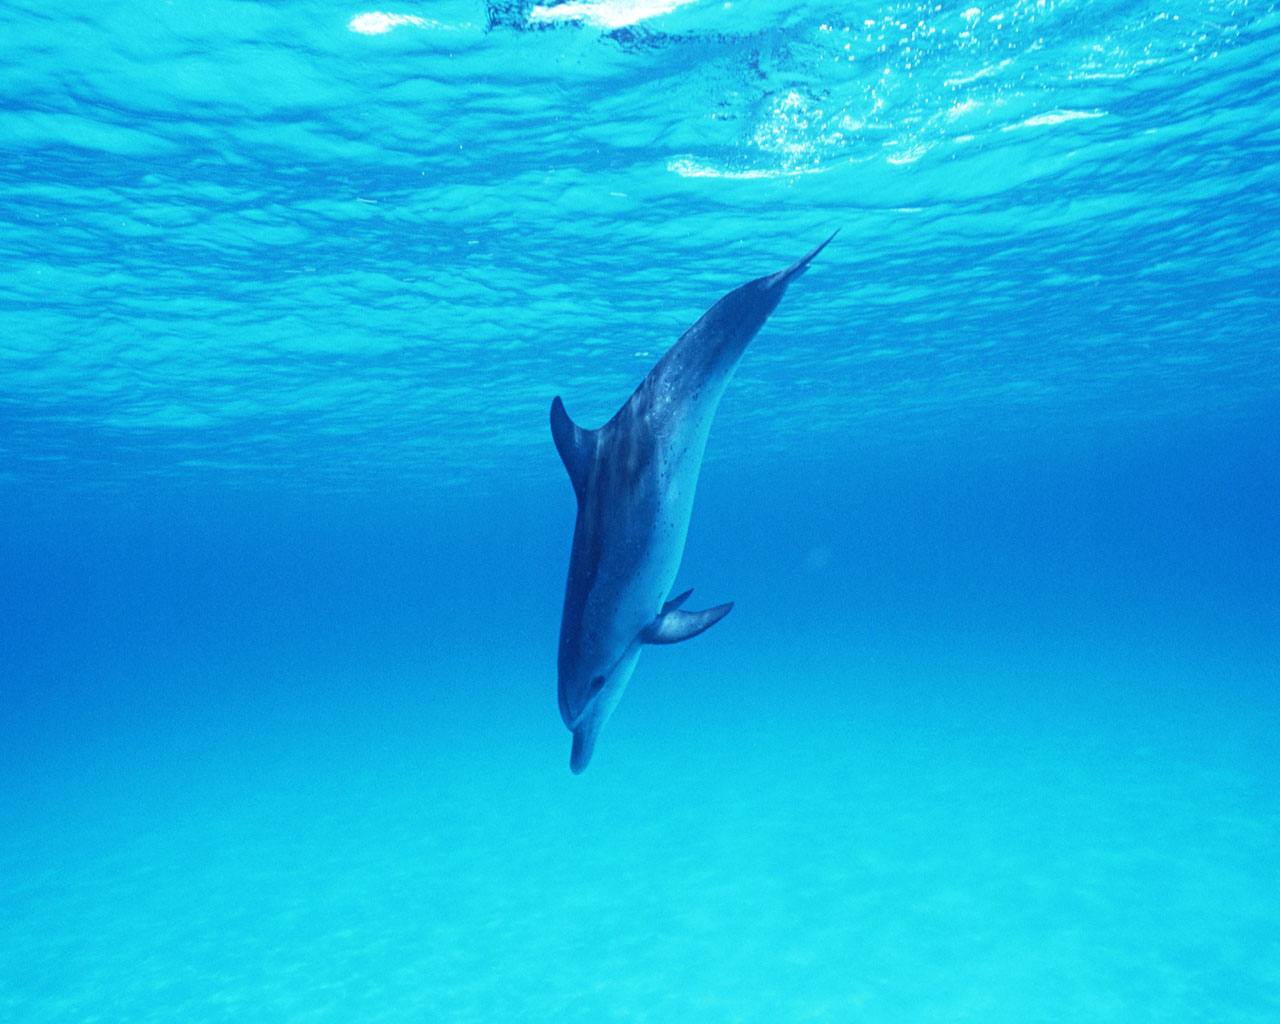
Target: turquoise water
column 990, row 735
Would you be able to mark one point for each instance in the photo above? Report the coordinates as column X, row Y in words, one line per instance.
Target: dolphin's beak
column 584, row 745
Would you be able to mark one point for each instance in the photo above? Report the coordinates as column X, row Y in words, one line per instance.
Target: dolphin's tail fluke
column 716, row 342
column 802, row 264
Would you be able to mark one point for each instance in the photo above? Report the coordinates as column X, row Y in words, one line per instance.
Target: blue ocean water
column 990, row 735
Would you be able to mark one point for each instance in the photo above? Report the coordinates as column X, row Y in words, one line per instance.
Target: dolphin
column 634, row 479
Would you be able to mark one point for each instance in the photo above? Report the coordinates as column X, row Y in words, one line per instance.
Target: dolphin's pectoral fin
column 675, row 602
column 672, row 626
column 575, row 445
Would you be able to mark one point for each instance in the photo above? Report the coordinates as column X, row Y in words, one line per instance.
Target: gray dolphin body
column 634, row 479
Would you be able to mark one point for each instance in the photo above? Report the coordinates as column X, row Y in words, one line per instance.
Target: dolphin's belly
column 633, row 520
column 642, row 559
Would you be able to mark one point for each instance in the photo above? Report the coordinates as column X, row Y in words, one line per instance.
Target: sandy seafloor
column 903, row 865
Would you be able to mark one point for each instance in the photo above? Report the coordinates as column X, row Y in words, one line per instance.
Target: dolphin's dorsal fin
column 670, row 627
column 575, row 445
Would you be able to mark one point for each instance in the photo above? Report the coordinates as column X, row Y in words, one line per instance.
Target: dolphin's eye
column 596, row 685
